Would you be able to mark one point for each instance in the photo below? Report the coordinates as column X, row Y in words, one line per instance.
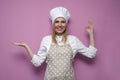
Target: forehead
column 60, row 18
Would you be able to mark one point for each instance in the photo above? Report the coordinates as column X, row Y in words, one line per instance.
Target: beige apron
column 59, row 63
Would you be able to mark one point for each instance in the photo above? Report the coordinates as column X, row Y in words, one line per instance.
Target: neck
column 59, row 34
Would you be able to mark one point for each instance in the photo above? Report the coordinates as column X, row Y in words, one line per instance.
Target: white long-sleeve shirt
column 76, row 45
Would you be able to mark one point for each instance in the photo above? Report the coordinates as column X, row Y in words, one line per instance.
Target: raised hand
column 89, row 28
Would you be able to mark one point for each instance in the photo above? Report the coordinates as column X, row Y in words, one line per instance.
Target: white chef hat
column 59, row 12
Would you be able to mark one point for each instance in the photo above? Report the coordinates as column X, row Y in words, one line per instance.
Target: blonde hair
column 64, row 35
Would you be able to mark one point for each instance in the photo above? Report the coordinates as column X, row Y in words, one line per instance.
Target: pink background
column 28, row 21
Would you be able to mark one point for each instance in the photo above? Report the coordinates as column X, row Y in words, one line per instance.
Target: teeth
column 59, row 28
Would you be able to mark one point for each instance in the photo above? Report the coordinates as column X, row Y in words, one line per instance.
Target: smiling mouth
column 59, row 28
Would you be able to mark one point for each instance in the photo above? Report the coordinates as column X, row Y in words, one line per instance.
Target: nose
column 59, row 24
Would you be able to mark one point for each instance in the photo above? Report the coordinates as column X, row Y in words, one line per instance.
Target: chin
column 59, row 32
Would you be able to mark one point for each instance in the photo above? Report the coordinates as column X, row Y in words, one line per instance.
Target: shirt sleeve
column 40, row 57
column 78, row 46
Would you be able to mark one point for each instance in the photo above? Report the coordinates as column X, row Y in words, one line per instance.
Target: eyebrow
column 61, row 21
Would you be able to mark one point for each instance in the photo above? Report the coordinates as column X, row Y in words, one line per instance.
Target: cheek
column 55, row 25
column 65, row 26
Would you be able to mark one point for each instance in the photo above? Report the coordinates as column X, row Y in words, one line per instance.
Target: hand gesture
column 89, row 28
column 22, row 44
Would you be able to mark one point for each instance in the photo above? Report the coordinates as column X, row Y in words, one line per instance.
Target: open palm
column 22, row 44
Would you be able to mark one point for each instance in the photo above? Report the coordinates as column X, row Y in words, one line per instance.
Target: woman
column 60, row 48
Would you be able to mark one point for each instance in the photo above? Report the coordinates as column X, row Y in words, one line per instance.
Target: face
column 60, row 25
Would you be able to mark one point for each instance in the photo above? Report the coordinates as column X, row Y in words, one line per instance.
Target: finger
column 12, row 43
column 15, row 43
column 90, row 23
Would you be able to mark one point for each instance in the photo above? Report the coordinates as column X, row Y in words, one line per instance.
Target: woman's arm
column 78, row 46
column 22, row 44
column 39, row 58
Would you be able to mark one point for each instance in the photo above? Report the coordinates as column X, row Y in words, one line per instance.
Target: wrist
column 91, row 34
column 26, row 46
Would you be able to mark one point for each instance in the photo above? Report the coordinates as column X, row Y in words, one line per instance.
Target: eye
column 63, row 21
column 56, row 21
